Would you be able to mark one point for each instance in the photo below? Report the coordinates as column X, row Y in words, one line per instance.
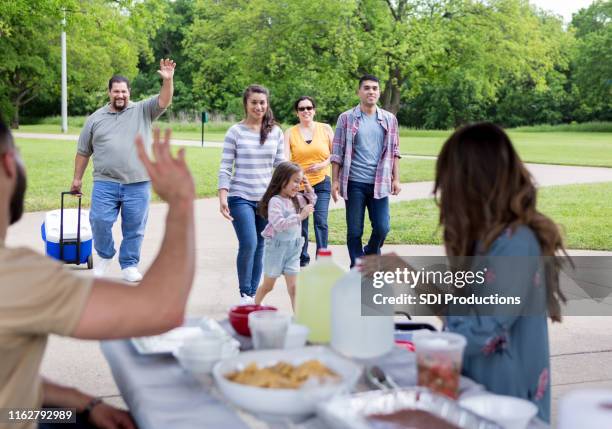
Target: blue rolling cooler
column 67, row 234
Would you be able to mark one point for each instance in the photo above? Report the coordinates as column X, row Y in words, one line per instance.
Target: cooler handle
column 61, row 240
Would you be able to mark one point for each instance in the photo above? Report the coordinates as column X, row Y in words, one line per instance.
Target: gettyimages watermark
column 487, row 286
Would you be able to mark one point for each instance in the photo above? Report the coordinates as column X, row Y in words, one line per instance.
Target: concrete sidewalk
column 581, row 347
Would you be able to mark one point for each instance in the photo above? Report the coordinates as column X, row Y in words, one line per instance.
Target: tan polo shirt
column 37, row 297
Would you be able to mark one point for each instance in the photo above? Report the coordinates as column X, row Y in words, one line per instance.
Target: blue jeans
column 248, row 226
column 360, row 197
column 282, row 257
column 107, row 199
column 323, row 191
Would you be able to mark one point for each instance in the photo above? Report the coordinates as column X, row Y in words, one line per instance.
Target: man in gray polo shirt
column 121, row 183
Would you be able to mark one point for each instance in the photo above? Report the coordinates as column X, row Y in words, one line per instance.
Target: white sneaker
column 131, row 274
column 247, row 300
column 101, row 267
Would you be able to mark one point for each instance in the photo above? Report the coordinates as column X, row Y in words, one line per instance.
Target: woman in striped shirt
column 251, row 149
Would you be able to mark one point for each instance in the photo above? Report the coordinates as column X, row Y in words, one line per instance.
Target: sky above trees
column 565, row 8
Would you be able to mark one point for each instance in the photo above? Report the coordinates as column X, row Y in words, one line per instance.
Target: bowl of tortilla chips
column 285, row 384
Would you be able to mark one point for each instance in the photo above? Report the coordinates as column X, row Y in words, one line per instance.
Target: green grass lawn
column 547, row 147
column 48, row 129
column 535, row 144
column 584, row 212
column 566, row 148
column 211, row 133
column 50, row 166
column 417, row 170
column 209, row 136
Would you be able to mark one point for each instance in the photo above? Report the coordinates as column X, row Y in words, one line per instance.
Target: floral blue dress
column 509, row 353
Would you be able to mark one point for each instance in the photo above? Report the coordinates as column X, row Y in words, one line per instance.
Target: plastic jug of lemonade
column 313, row 296
column 354, row 335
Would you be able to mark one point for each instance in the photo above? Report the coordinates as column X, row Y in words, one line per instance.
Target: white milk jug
column 354, row 335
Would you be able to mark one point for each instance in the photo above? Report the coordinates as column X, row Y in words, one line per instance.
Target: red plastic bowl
column 239, row 317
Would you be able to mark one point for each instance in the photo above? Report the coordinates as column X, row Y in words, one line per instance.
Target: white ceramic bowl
column 192, row 360
column 204, row 347
column 195, row 365
column 279, row 404
column 508, row 411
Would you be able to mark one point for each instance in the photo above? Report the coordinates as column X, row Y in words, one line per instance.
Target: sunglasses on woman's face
column 303, row 108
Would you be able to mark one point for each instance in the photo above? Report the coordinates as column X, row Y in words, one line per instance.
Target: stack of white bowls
column 199, row 354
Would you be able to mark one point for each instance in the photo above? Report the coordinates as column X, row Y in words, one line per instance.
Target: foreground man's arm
column 114, row 310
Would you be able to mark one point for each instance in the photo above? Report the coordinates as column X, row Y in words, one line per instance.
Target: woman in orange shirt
column 309, row 144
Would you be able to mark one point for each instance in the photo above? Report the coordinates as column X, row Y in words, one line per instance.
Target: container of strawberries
column 439, row 356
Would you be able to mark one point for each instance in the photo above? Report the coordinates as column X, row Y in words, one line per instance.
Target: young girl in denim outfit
column 285, row 208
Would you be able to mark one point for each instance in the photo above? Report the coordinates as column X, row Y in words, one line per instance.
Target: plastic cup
column 297, row 335
column 268, row 329
column 439, row 356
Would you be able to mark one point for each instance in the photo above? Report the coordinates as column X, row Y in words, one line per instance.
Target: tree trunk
column 391, row 96
column 15, row 119
column 18, row 102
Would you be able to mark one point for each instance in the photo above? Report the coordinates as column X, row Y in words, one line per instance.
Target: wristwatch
column 90, row 406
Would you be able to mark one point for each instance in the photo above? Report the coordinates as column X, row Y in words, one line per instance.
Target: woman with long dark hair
column 488, row 212
column 251, row 149
column 309, row 145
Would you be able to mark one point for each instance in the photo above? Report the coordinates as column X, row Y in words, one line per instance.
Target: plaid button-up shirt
column 342, row 150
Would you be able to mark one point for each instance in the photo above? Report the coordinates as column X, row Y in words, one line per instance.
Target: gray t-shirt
column 369, row 144
column 109, row 137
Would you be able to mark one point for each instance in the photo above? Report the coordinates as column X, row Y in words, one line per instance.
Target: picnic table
column 161, row 395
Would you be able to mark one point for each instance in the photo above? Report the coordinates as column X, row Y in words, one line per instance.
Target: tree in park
column 489, row 50
column 541, row 96
column 441, row 62
column 167, row 42
column 295, row 48
column 104, row 38
column 403, row 43
column 592, row 65
column 25, row 48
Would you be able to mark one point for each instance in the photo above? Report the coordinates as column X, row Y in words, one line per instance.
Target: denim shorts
column 282, row 257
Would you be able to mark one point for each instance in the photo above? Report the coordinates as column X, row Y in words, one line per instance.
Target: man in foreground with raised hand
column 38, row 296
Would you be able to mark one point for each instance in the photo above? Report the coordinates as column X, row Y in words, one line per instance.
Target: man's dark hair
column 6, row 138
column 16, row 204
column 365, row 77
column 118, row 79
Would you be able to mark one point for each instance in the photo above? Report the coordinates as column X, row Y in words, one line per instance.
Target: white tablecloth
column 160, row 395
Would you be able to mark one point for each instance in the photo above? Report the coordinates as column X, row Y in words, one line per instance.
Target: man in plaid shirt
column 365, row 167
